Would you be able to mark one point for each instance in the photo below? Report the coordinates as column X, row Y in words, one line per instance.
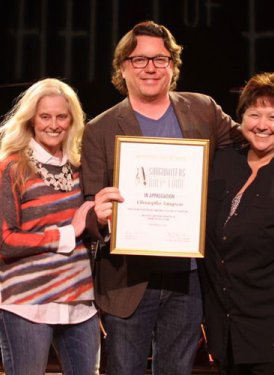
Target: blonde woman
column 46, row 281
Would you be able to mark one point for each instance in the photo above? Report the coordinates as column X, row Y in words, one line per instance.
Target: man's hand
column 103, row 203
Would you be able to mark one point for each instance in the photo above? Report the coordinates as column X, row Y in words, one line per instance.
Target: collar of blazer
column 181, row 105
column 130, row 126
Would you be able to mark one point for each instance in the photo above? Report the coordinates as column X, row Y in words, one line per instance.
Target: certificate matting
column 164, row 185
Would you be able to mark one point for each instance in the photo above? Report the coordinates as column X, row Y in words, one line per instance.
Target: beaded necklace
column 60, row 181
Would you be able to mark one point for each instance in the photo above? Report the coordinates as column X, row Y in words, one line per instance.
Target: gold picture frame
column 164, row 185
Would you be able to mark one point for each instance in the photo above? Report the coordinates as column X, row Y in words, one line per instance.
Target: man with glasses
column 146, row 299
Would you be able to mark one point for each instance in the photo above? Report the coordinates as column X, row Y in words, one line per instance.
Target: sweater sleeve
column 227, row 130
column 16, row 242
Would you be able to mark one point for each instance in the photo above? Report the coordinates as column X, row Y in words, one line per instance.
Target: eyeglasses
column 142, row 61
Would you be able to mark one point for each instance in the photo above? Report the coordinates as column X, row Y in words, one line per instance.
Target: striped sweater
column 31, row 270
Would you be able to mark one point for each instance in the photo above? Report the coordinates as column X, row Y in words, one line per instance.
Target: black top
column 238, row 270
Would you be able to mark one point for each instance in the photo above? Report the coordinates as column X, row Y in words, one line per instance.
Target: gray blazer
column 120, row 281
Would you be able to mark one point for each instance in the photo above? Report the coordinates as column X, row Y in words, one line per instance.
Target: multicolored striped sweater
column 31, row 270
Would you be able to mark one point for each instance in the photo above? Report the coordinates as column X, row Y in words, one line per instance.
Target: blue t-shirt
column 166, row 126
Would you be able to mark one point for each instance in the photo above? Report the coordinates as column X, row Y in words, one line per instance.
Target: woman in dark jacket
column 238, row 270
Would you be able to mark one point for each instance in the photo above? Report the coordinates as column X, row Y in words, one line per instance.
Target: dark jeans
column 249, row 369
column 169, row 319
column 229, row 368
column 25, row 345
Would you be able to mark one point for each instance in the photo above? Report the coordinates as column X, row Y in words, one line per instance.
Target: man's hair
column 259, row 88
column 129, row 42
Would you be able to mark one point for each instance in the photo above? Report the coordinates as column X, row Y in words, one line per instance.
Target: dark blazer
column 120, row 281
column 238, row 277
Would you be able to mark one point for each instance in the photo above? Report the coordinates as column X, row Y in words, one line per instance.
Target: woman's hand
column 79, row 219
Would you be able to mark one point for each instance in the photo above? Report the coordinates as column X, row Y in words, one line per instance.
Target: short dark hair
column 259, row 87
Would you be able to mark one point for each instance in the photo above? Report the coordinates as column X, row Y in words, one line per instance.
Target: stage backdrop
column 225, row 42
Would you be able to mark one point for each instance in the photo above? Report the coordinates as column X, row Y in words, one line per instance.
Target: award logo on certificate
column 164, row 185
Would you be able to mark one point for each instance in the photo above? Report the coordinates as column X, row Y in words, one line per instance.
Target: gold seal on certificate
column 164, row 184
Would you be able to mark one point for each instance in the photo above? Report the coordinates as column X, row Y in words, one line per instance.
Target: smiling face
column 258, row 127
column 146, row 84
column 51, row 122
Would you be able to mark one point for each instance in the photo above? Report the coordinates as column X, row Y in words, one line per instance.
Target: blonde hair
column 17, row 129
column 129, row 42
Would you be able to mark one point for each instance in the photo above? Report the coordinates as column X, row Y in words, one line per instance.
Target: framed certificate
column 164, row 185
